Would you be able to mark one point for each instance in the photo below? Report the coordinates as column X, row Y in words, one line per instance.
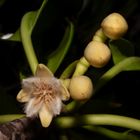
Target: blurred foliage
column 59, row 42
column 121, row 49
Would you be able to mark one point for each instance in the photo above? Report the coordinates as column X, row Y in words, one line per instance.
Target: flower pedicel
column 43, row 94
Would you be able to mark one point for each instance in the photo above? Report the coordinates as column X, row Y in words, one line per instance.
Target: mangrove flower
column 80, row 88
column 97, row 54
column 114, row 26
column 43, row 95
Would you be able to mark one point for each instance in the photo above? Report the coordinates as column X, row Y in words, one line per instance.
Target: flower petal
column 55, row 105
column 45, row 116
column 32, row 107
column 43, row 71
column 64, row 92
column 23, row 96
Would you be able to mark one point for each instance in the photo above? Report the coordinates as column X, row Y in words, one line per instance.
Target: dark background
column 119, row 96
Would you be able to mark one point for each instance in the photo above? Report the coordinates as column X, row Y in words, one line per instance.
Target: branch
column 21, row 129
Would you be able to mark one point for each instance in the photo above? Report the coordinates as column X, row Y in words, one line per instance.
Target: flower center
column 44, row 90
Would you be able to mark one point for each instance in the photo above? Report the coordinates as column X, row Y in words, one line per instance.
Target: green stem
column 73, row 106
column 81, row 67
column 111, row 134
column 99, row 119
column 8, row 118
column 99, row 36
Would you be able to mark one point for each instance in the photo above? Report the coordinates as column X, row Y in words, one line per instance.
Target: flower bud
column 97, row 54
column 114, row 26
column 80, row 88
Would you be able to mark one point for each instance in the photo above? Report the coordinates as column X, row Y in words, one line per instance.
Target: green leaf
column 26, row 28
column 69, row 70
column 55, row 59
column 2, row 2
column 27, row 24
column 121, row 49
column 16, row 36
column 128, row 64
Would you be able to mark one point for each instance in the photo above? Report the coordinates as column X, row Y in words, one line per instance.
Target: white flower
column 43, row 94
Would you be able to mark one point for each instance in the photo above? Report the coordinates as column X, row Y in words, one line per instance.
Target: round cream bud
column 80, row 88
column 97, row 54
column 114, row 26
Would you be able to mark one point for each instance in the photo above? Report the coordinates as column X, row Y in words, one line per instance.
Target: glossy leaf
column 27, row 24
column 121, row 49
column 55, row 59
column 128, row 64
column 26, row 28
column 69, row 70
column 16, row 36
